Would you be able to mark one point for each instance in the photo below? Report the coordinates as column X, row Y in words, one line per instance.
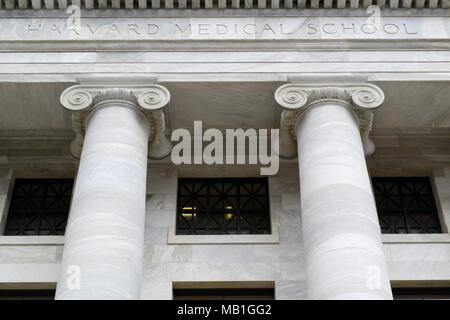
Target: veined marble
column 221, row 63
column 419, row 261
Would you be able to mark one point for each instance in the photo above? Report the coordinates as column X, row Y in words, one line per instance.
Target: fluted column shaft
column 104, row 237
column 341, row 233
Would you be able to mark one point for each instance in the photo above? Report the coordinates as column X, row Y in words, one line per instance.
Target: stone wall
column 423, row 259
column 414, row 260
column 281, row 262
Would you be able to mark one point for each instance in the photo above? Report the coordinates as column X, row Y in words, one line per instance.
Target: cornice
column 296, row 99
column 225, row 45
column 222, row 4
column 149, row 99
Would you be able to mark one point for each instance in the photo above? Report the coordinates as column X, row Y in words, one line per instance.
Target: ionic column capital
column 148, row 99
column 83, row 97
column 296, row 99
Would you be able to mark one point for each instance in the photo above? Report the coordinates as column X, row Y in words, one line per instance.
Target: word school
column 213, row 153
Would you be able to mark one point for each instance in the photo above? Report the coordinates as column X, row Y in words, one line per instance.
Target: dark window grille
column 223, row 206
column 224, row 294
column 406, row 205
column 39, row 207
column 439, row 293
column 27, row 294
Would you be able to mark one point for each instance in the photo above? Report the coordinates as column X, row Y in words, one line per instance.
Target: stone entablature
column 62, row 28
column 223, row 4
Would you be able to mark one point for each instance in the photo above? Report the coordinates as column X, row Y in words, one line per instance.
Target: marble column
column 341, row 232
column 104, row 237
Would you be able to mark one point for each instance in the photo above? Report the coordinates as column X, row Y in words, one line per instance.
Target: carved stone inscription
column 223, row 28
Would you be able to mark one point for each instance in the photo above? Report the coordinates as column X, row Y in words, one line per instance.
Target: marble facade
column 34, row 262
column 225, row 64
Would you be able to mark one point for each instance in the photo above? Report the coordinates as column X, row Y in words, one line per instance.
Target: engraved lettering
column 329, row 31
column 286, row 28
column 133, row 27
column 54, row 27
column 368, row 28
column 407, row 31
column 245, row 28
column 267, row 27
column 203, row 29
column 313, row 28
column 32, row 27
column 91, row 29
column 152, row 28
column 114, row 28
column 344, row 28
column 188, row 28
column 282, row 31
column 388, row 28
column 221, row 29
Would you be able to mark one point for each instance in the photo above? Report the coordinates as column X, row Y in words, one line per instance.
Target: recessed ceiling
column 226, row 105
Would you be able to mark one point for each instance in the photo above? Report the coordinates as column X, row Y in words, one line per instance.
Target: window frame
column 224, row 293
column 421, row 293
column 223, row 287
column 429, row 180
column 208, row 212
column 34, row 238
column 273, row 238
column 27, row 294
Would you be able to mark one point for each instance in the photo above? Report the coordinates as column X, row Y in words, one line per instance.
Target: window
column 39, row 207
column 406, row 205
column 223, row 206
column 224, row 294
column 421, row 293
column 27, row 294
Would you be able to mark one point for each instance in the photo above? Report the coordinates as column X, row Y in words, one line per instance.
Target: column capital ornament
column 295, row 99
column 148, row 99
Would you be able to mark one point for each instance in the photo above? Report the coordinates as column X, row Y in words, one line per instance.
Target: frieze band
column 259, row 28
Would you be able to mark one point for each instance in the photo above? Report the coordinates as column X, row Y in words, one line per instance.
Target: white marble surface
column 441, row 182
column 224, row 239
column 6, row 187
column 156, row 290
column 420, row 130
column 342, row 236
column 180, row 7
column 105, row 232
column 423, row 258
column 290, row 290
column 31, row 240
column 49, row 254
column 28, row 274
column 281, row 261
column 225, row 28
